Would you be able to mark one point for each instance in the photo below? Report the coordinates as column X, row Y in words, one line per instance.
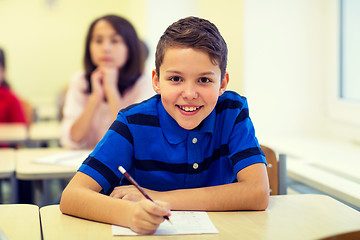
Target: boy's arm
column 81, row 198
column 251, row 192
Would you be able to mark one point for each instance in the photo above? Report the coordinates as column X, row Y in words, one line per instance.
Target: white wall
column 44, row 40
column 285, row 55
column 159, row 15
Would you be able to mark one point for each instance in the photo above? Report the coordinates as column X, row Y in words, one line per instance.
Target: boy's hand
column 129, row 192
column 147, row 216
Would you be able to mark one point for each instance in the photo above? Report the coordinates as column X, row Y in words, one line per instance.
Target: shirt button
column 195, row 166
column 194, row 140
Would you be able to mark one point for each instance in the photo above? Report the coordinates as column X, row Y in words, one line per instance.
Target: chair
column 276, row 170
column 60, row 102
column 29, row 111
column 344, row 236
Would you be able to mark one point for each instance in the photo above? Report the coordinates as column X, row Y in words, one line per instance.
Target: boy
column 192, row 146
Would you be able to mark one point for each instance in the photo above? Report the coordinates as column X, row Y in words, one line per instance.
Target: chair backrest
column 29, row 111
column 61, row 101
column 272, row 169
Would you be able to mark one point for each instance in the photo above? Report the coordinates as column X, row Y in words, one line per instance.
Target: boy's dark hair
column 132, row 69
column 2, row 64
column 193, row 32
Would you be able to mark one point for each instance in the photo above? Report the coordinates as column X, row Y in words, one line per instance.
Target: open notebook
column 182, row 222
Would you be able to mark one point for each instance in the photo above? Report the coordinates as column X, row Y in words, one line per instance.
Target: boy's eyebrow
column 203, row 73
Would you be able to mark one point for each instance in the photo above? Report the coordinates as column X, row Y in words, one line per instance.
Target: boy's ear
column 155, row 82
column 224, row 84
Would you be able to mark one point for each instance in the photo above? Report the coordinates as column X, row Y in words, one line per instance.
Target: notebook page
column 183, row 222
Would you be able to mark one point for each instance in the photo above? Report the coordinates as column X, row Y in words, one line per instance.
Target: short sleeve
column 74, row 104
column 243, row 145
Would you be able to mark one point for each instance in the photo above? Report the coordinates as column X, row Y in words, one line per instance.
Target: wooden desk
column 44, row 132
column 13, row 133
column 27, row 169
column 287, row 217
column 7, row 170
column 20, row 221
column 328, row 165
column 7, row 162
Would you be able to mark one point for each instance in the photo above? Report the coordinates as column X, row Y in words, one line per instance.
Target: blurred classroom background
column 283, row 56
column 44, row 39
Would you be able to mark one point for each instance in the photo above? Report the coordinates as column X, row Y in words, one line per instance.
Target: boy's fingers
column 164, row 205
column 145, row 228
column 157, row 210
column 148, row 217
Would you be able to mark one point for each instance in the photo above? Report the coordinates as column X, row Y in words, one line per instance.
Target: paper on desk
column 68, row 158
column 183, row 222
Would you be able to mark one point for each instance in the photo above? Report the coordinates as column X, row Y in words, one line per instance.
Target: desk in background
column 20, row 221
column 27, row 169
column 38, row 133
column 13, row 133
column 7, row 170
column 7, row 162
column 44, row 132
column 287, row 217
column 328, row 165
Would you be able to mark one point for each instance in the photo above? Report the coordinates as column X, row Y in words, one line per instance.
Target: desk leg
column 46, row 192
column 14, row 189
column 42, row 192
column 1, row 188
column 282, row 174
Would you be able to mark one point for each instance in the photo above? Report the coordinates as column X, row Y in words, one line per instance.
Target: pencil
column 123, row 171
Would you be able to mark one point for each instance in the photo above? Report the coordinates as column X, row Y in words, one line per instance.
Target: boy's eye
column 175, row 79
column 204, row 80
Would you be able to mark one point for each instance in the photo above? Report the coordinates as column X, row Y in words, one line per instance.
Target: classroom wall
column 286, row 52
column 278, row 50
column 44, row 40
column 228, row 15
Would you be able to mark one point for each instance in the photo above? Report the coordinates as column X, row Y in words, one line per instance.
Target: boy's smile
column 189, row 85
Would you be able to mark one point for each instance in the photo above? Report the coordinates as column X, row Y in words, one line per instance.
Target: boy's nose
column 190, row 92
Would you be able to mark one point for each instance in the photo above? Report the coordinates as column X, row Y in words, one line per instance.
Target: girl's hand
column 129, row 192
column 110, row 76
column 147, row 216
column 96, row 78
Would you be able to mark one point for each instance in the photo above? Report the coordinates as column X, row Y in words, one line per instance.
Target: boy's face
column 189, row 85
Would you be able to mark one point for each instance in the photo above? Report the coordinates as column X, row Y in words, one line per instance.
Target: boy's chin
column 191, row 126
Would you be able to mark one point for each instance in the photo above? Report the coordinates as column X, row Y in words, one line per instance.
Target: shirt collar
column 176, row 134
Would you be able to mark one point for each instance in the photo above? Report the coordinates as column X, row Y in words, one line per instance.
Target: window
column 344, row 71
column 349, row 50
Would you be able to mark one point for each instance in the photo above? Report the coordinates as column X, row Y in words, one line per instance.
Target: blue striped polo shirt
column 162, row 156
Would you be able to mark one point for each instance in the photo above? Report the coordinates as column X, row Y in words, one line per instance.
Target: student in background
column 113, row 79
column 192, row 146
column 10, row 105
column 11, row 112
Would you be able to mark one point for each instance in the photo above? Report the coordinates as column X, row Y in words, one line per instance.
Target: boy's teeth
column 189, row 109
